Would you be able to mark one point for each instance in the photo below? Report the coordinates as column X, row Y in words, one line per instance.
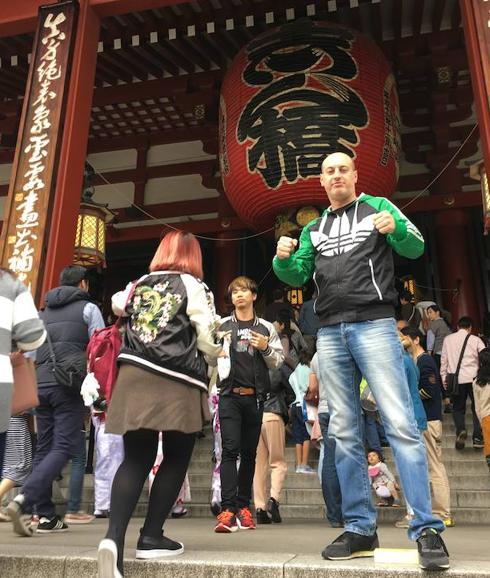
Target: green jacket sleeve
column 297, row 269
column 406, row 239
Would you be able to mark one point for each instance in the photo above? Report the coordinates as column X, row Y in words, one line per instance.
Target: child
column 299, row 380
column 382, row 480
column 481, row 391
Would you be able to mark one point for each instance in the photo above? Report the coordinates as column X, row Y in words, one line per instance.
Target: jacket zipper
column 317, row 292
column 337, row 262
column 374, row 280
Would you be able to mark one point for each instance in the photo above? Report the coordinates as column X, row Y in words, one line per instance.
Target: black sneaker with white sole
column 107, row 560
column 163, row 547
column 20, row 518
column 350, row 545
column 49, row 525
column 433, row 554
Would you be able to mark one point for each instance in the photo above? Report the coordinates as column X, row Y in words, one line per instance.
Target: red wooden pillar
column 226, row 266
column 456, row 269
column 476, row 25
column 74, row 147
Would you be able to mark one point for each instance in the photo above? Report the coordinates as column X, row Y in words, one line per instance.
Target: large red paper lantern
column 290, row 97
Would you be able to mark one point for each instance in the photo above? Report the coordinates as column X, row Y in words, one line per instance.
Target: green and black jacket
column 351, row 262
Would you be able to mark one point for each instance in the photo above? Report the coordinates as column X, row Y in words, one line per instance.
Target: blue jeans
column 372, row 349
column 371, row 436
column 77, row 474
column 329, row 479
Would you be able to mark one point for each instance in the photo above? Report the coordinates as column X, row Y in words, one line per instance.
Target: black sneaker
column 460, row 440
column 20, row 518
column 149, row 548
column 273, row 509
column 433, row 554
column 350, row 545
column 478, row 443
column 49, row 525
column 262, row 517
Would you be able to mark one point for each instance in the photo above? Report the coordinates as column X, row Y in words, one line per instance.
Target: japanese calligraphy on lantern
column 304, row 107
column 27, row 217
column 290, row 97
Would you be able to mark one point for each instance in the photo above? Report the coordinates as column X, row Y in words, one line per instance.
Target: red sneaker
column 227, row 522
column 244, row 519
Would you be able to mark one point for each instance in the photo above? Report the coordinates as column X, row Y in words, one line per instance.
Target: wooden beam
column 437, row 12
column 105, row 8
column 205, row 167
column 21, row 17
column 186, row 134
column 432, row 203
column 207, row 227
column 169, row 210
column 138, row 91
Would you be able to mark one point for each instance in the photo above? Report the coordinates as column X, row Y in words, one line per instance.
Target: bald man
column 349, row 253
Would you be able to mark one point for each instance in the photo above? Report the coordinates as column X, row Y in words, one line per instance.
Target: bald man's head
column 338, row 156
column 339, row 178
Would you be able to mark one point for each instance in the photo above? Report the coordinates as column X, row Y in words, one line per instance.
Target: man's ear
column 254, row 296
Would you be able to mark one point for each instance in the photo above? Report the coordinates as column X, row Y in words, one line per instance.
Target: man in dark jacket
column 70, row 318
column 349, row 252
column 254, row 348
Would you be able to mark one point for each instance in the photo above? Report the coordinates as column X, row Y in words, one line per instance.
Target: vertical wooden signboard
column 32, row 184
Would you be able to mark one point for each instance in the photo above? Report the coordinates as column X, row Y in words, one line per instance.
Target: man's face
column 405, row 340
column 242, row 297
column 339, row 179
column 401, row 324
column 431, row 314
column 278, row 326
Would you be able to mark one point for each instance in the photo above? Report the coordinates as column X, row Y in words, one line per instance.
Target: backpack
column 102, row 352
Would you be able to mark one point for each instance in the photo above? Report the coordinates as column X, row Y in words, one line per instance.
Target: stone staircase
column 302, row 496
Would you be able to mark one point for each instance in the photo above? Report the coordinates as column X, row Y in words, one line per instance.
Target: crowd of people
column 341, row 373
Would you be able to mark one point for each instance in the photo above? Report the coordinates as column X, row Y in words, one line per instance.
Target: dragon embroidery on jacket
column 154, row 308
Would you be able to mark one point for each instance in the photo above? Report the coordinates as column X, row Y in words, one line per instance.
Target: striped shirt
column 20, row 327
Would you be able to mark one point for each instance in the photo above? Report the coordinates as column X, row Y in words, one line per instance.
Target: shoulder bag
column 452, row 383
column 70, row 371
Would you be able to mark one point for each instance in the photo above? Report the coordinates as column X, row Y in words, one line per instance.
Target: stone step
column 462, row 516
column 448, row 453
column 305, row 497
column 301, row 481
column 290, row 550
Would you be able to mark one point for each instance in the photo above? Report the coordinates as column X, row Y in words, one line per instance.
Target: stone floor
column 290, row 550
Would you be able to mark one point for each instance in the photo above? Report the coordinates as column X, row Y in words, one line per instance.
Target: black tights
column 140, row 449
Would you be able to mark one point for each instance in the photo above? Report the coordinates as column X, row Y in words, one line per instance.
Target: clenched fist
column 285, row 247
column 384, row 222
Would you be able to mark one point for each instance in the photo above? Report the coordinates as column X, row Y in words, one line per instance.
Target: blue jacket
column 412, row 373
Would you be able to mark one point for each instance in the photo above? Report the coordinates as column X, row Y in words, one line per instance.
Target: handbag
column 25, row 385
column 71, row 371
column 452, row 383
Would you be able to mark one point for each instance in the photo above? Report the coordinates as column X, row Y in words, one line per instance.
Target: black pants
column 437, row 359
column 59, row 419
column 459, row 409
column 240, row 419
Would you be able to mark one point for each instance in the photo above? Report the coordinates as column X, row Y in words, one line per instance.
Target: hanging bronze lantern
column 92, row 220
